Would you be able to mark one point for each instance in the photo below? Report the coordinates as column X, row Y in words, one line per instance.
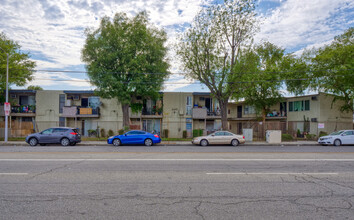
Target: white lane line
column 177, row 159
column 272, row 173
column 13, row 174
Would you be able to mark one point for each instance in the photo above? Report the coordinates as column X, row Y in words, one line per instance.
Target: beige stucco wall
column 47, row 108
column 174, row 113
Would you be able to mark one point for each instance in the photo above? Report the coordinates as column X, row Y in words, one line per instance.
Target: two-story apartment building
column 177, row 112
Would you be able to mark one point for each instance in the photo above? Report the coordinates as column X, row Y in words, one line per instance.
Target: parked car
column 63, row 135
column 338, row 138
column 219, row 137
column 135, row 137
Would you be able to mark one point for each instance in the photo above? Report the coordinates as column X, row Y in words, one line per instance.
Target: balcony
column 78, row 111
column 20, row 110
column 203, row 113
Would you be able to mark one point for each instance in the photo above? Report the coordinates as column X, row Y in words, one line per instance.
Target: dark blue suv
column 63, row 135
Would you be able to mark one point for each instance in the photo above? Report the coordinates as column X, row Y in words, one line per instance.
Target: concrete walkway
column 176, row 143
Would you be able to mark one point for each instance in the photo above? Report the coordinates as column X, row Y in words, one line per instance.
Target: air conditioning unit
column 314, row 98
column 68, row 102
column 313, row 119
column 76, row 97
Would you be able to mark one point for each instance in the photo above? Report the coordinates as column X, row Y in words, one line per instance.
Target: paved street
column 177, row 182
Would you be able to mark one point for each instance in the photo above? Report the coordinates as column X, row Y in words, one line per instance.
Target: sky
column 52, row 31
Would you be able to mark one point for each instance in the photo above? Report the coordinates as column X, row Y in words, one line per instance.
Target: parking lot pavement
column 176, row 143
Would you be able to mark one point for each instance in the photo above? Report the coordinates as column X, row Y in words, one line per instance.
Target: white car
column 338, row 138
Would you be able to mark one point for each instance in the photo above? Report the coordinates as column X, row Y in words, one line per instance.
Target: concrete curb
column 177, row 143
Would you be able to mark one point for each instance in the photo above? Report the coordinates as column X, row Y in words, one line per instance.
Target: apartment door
column 239, row 111
column 208, row 104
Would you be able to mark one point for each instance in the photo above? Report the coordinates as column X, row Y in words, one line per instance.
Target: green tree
column 125, row 57
column 260, row 80
column 333, row 69
column 210, row 48
column 32, row 87
column 20, row 65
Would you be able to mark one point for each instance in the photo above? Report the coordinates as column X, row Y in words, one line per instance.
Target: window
column 61, row 122
column 189, row 105
column 291, row 106
column 296, row 106
column 61, row 102
column 249, row 110
column 307, row 105
column 60, row 130
column 48, row 131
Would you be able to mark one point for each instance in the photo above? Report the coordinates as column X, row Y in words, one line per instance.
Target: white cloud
column 54, row 30
column 299, row 23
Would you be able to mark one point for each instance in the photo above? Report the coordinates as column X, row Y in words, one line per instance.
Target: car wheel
column 65, row 142
column 42, row 144
column 73, row 144
column 234, row 142
column 33, row 142
column 116, row 142
column 148, row 142
column 337, row 143
column 204, row 142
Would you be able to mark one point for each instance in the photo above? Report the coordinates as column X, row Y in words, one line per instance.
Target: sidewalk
column 176, row 143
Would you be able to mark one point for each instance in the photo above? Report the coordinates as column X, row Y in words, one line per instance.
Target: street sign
column 7, row 108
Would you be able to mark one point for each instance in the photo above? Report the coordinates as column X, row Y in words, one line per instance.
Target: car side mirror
column 213, row 135
column 343, row 135
column 125, row 134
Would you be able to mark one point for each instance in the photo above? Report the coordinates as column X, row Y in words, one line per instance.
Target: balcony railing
column 23, row 109
column 78, row 111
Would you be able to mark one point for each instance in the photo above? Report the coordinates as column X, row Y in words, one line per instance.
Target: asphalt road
column 177, row 182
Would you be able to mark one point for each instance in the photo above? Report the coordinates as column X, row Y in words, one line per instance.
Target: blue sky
column 53, row 31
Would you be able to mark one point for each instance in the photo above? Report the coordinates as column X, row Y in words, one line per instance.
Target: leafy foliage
column 34, row 87
column 125, row 57
column 20, row 65
column 259, row 77
column 210, row 48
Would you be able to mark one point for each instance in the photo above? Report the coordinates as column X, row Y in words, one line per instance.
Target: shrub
column 286, row 137
column 184, row 134
column 103, row 132
column 311, row 137
column 110, row 133
column 322, row 133
column 92, row 132
column 165, row 133
column 197, row 132
column 121, row 131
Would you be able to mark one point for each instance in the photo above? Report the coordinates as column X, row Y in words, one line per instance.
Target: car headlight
column 111, row 137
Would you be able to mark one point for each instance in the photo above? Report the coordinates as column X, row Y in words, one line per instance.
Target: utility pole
column 7, row 93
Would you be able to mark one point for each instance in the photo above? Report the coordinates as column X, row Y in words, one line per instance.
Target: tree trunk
column 223, row 111
column 125, row 110
column 264, row 114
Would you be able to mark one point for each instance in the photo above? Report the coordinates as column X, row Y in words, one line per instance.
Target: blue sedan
column 134, row 137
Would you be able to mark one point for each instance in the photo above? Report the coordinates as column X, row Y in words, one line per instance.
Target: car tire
column 204, row 142
column 148, row 142
column 64, row 142
column 33, row 142
column 116, row 142
column 235, row 142
column 337, row 143
column 72, row 143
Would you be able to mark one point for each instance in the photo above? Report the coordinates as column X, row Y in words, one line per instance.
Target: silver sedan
column 219, row 137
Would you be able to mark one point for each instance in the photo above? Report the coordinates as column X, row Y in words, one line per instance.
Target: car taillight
column 156, row 136
column 243, row 137
column 73, row 133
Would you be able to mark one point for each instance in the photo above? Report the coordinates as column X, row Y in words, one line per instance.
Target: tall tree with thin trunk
column 125, row 58
column 210, row 48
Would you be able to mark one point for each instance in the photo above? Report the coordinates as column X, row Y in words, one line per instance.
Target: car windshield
column 336, row 133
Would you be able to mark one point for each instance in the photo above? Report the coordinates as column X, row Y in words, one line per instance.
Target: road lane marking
column 272, row 173
column 179, row 159
column 14, row 174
